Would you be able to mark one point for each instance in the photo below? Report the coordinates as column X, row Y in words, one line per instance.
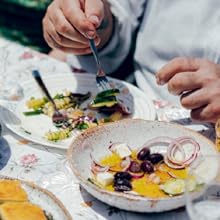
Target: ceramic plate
column 33, row 128
column 134, row 133
column 46, row 200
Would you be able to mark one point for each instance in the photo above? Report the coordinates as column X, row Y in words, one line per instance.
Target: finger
column 208, row 113
column 94, row 10
column 64, row 28
column 183, row 82
column 195, row 99
column 73, row 13
column 63, row 41
column 177, row 65
column 76, row 51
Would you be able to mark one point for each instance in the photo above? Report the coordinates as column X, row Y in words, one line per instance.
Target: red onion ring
column 96, row 167
column 172, row 165
column 125, row 164
column 182, row 141
column 156, row 141
column 137, row 175
column 112, row 147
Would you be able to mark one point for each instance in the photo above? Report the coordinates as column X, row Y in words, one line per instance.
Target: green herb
column 28, row 132
column 32, row 113
column 93, row 181
column 107, row 119
column 82, row 126
column 58, row 96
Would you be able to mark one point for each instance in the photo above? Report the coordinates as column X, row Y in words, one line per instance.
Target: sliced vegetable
column 109, row 92
column 96, row 167
column 79, row 98
column 32, row 113
column 178, row 147
column 108, row 101
column 126, row 163
column 174, row 187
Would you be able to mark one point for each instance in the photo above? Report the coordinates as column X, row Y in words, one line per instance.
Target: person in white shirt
column 177, row 44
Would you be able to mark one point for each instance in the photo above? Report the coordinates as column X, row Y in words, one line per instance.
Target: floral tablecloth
column 48, row 167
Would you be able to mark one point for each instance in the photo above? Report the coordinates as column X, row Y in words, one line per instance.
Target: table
column 48, row 167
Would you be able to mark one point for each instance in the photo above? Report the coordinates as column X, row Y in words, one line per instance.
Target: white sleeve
column 127, row 14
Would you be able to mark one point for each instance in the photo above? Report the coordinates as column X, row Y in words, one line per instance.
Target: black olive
column 143, row 154
column 123, row 175
column 122, row 188
column 122, row 182
column 147, row 167
column 121, row 185
column 135, row 167
column 155, row 158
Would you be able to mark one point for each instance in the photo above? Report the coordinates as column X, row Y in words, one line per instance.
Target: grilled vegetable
column 105, row 98
column 107, row 93
column 108, row 101
column 35, row 112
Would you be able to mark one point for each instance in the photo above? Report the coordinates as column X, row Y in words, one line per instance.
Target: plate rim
column 61, row 146
column 127, row 196
column 42, row 190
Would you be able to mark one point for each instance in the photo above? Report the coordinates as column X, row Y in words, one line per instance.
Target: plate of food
column 140, row 165
column 22, row 200
column 77, row 97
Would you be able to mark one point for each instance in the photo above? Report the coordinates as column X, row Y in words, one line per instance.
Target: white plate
column 46, row 200
column 33, row 128
column 135, row 133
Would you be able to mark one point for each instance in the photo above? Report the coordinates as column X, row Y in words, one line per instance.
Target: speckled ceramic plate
column 46, row 200
column 135, row 133
column 33, row 128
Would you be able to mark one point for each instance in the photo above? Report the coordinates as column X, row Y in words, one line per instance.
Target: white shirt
column 168, row 29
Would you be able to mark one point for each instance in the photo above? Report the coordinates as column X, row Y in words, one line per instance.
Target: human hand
column 68, row 24
column 197, row 82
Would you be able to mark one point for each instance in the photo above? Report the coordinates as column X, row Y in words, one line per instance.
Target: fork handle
column 95, row 52
column 41, row 84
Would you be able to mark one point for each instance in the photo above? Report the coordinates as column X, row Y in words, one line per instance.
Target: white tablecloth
column 48, row 167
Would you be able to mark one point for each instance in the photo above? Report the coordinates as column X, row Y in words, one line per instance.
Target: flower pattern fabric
column 48, row 167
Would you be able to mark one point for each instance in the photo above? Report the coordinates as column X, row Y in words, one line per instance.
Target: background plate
column 34, row 128
column 46, row 200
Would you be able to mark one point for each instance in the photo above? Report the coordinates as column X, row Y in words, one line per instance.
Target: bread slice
column 21, row 211
column 11, row 190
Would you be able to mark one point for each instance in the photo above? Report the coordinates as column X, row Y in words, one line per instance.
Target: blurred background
column 21, row 21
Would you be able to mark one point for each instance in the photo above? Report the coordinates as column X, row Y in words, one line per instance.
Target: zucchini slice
column 108, row 101
column 107, row 93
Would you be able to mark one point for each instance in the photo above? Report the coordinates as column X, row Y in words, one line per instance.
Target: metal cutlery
column 58, row 118
column 101, row 79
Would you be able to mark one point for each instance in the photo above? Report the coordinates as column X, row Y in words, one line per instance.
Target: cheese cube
column 122, row 150
column 105, row 178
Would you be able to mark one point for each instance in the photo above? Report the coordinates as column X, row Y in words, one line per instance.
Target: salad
column 81, row 113
column 146, row 172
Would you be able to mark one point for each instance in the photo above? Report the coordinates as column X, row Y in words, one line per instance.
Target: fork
column 101, row 79
column 58, row 118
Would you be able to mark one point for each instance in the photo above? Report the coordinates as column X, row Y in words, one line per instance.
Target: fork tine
column 104, row 85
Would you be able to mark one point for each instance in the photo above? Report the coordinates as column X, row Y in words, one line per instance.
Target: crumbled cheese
column 105, row 178
column 122, row 150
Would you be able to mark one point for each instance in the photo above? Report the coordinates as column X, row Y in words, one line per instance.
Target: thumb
column 94, row 10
